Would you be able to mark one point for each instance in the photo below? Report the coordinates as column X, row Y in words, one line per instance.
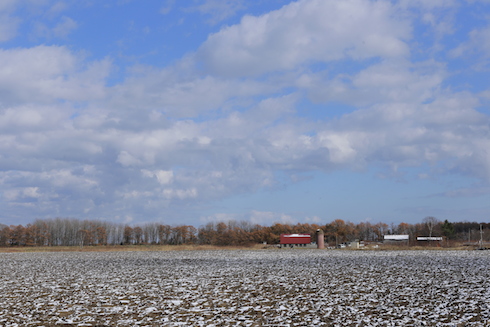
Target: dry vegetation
column 197, row 247
column 124, row 248
column 73, row 232
column 245, row 288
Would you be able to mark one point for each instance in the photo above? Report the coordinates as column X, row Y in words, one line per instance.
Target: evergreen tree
column 447, row 229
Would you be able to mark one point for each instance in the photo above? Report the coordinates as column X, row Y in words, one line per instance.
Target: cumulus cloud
column 56, row 8
column 219, row 10
column 219, row 217
column 386, row 82
column 8, row 5
column 263, row 218
column 478, row 43
column 162, row 176
column 447, row 129
column 269, row 218
column 304, row 32
column 8, row 27
column 180, row 194
column 64, row 27
column 8, row 22
column 61, row 29
column 184, row 94
column 466, row 192
column 11, row 18
column 228, row 118
column 44, row 74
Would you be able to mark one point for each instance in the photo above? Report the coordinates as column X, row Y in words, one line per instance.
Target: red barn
column 295, row 239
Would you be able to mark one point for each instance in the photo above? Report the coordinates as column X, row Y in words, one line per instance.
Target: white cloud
column 478, row 43
column 66, row 177
column 265, row 218
column 64, row 27
column 180, row 194
column 20, row 118
column 48, row 187
column 8, row 27
column 163, row 176
column 8, row 23
column 304, row 32
column 44, row 74
column 425, row 5
column 219, row 217
column 166, row 139
column 386, row 82
column 8, row 5
column 10, row 18
column 128, row 160
column 447, row 129
column 57, row 8
column 219, row 10
column 183, row 93
column 314, row 220
column 11, row 194
column 475, row 191
column 31, row 192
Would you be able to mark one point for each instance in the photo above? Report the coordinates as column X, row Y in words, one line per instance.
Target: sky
column 198, row 111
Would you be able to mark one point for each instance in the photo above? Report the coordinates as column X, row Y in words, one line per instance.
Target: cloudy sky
column 185, row 112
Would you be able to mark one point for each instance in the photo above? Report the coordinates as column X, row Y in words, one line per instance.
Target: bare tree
column 150, row 233
column 5, row 234
column 128, row 235
column 430, row 222
column 138, row 235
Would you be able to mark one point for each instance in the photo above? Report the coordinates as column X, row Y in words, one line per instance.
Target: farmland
column 246, row 288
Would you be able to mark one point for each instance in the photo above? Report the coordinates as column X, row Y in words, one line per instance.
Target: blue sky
column 186, row 112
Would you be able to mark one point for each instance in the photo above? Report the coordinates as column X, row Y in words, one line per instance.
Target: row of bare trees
column 71, row 232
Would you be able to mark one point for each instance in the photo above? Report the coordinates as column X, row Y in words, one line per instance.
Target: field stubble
column 246, row 288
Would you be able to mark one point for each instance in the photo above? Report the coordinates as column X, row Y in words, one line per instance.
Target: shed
column 295, row 239
column 429, row 238
column 396, row 239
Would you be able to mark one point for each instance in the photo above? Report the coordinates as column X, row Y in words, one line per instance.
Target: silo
column 320, row 242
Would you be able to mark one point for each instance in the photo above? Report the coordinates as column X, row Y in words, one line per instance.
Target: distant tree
column 31, row 232
column 278, row 229
column 128, row 235
column 380, row 229
column 5, row 234
column 138, row 235
column 17, row 235
column 41, row 233
column 364, row 230
column 430, row 222
column 84, row 237
column 403, row 228
column 164, row 232
column 150, row 233
column 101, row 237
column 447, row 229
column 206, row 233
column 222, row 235
column 337, row 231
column 191, row 235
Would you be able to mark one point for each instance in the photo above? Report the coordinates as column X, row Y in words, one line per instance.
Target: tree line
column 74, row 232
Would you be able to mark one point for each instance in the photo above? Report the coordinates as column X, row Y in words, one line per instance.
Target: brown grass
column 115, row 248
column 191, row 247
column 387, row 247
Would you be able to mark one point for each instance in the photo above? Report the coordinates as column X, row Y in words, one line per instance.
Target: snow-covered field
column 246, row 288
